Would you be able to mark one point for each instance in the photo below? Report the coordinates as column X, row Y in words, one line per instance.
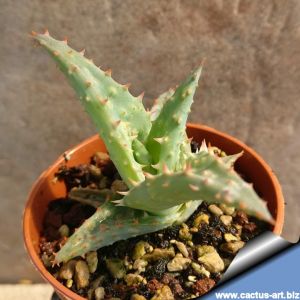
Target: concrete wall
column 250, row 85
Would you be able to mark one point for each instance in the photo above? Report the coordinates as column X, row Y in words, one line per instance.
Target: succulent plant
column 152, row 154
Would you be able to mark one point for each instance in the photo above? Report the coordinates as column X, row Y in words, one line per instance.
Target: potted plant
column 160, row 217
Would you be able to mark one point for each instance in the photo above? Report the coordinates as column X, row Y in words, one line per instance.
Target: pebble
column 201, row 218
column 82, row 274
column 232, row 247
column 95, row 171
column 159, row 253
column 190, row 243
column 133, row 279
column 202, row 286
column 184, row 233
column 47, row 260
column 116, row 267
column 214, row 209
column 194, row 229
column 140, row 249
column 228, row 210
column 182, row 248
column 239, row 228
column 200, row 270
column 64, row 230
column 178, row 264
column 192, row 278
column 230, row 237
column 69, row 283
column 140, row 265
column 67, row 270
column 226, row 220
column 92, row 261
column 201, row 250
column 164, row 293
column 99, row 293
column 211, row 259
column 101, row 158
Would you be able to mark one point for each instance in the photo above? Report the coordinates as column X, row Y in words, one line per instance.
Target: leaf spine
column 117, row 123
column 126, row 86
column 135, row 221
column 46, row 32
column 242, row 205
column 119, row 224
column 103, row 101
column 123, row 193
column 188, row 170
column 194, row 188
column 133, row 182
column 103, row 227
column 203, row 147
column 141, row 96
column 165, row 169
column 108, row 72
column 88, row 84
column 165, row 185
column 148, row 175
column 161, row 139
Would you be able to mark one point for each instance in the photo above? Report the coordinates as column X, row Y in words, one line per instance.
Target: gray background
column 250, row 86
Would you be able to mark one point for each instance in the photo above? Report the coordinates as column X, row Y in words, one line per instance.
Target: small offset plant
column 152, row 153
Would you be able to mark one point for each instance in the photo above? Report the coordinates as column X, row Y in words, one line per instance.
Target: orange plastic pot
column 45, row 189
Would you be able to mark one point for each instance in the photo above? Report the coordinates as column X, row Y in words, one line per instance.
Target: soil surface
column 180, row 262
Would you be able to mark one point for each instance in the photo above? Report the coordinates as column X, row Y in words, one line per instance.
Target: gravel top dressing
column 180, row 262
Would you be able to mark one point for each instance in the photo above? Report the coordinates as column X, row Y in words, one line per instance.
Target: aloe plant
column 152, row 154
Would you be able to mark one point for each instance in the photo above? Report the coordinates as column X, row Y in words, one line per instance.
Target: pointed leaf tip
column 203, row 147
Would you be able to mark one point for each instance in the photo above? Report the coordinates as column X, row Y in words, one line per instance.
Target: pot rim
column 60, row 288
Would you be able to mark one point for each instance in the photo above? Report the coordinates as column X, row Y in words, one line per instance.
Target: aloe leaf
column 111, row 223
column 167, row 133
column 206, row 178
column 119, row 117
